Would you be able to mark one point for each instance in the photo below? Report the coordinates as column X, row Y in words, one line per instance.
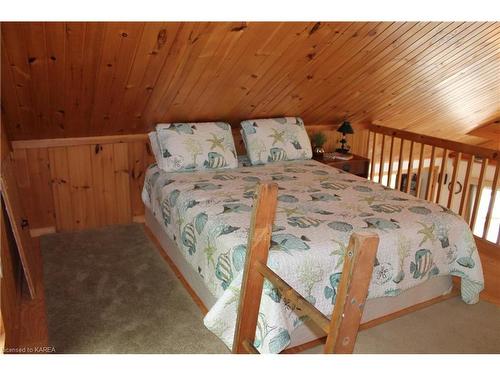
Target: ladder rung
column 288, row 292
column 249, row 347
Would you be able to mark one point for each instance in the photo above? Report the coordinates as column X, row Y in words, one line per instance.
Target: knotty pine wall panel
column 84, row 186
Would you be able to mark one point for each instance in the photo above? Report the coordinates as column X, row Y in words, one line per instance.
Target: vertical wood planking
column 466, row 187
column 479, row 190
column 444, row 162
column 74, row 50
column 410, row 169
column 456, row 167
column 41, row 188
column 34, row 32
column 122, row 183
column 493, row 196
column 140, row 158
column 55, row 44
column 61, row 188
column 82, row 189
column 104, row 183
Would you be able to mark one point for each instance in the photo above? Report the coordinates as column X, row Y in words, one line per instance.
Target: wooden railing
column 435, row 153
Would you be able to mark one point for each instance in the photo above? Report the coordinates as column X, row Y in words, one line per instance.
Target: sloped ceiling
column 84, row 79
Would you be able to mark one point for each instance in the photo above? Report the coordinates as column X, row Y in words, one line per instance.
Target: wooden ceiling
column 84, row 79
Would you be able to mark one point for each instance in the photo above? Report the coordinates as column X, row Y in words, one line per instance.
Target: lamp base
column 342, row 150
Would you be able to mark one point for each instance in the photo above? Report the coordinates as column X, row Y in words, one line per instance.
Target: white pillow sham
column 195, row 146
column 276, row 139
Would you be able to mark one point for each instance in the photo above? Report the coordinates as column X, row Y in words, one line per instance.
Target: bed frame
column 376, row 311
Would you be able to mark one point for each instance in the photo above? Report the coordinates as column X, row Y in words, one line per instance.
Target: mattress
column 307, row 332
column 207, row 214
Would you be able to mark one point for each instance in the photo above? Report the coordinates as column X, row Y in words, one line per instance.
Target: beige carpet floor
column 109, row 291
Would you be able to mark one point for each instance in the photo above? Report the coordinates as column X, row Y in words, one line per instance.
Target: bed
column 202, row 219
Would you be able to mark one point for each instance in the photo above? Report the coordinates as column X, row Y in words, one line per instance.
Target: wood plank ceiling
column 84, row 79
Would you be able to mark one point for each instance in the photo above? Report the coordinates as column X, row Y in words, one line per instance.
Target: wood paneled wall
column 78, row 183
column 82, row 186
column 10, row 282
column 74, row 79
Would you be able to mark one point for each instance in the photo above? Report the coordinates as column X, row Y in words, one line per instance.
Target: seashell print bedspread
column 208, row 215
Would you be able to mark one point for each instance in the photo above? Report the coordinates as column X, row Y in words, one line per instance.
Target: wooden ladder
column 342, row 329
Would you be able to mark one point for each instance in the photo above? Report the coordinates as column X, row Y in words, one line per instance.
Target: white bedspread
column 208, row 215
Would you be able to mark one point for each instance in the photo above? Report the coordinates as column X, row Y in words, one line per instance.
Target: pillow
column 196, row 146
column 155, row 148
column 276, row 139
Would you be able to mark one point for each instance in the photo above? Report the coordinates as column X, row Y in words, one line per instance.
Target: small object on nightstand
column 318, row 140
column 357, row 165
column 339, row 156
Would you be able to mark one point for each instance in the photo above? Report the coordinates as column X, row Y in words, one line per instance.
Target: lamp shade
column 345, row 128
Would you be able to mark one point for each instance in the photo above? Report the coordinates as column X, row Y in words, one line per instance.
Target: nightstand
column 358, row 165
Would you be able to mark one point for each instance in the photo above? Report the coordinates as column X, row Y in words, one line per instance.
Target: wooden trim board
column 437, row 142
column 37, row 232
column 78, row 141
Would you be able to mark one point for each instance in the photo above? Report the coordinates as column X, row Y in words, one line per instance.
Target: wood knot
column 31, row 60
column 243, row 26
column 161, row 39
column 315, row 28
column 124, row 35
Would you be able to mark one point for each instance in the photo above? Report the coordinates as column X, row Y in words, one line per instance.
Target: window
column 484, row 202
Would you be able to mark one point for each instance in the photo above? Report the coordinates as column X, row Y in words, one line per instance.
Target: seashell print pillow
column 276, row 139
column 196, row 146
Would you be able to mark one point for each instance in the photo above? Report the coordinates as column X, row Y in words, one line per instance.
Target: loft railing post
column 400, row 164
column 491, row 205
column 442, row 172
column 381, row 166
column 372, row 164
column 465, row 189
column 456, row 167
column 479, row 190
column 419, row 170
column 410, row 169
column 389, row 173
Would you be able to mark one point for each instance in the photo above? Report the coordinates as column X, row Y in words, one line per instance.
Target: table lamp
column 344, row 128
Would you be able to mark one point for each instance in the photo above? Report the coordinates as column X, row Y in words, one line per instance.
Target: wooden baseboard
column 37, row 232
column 141, row 219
